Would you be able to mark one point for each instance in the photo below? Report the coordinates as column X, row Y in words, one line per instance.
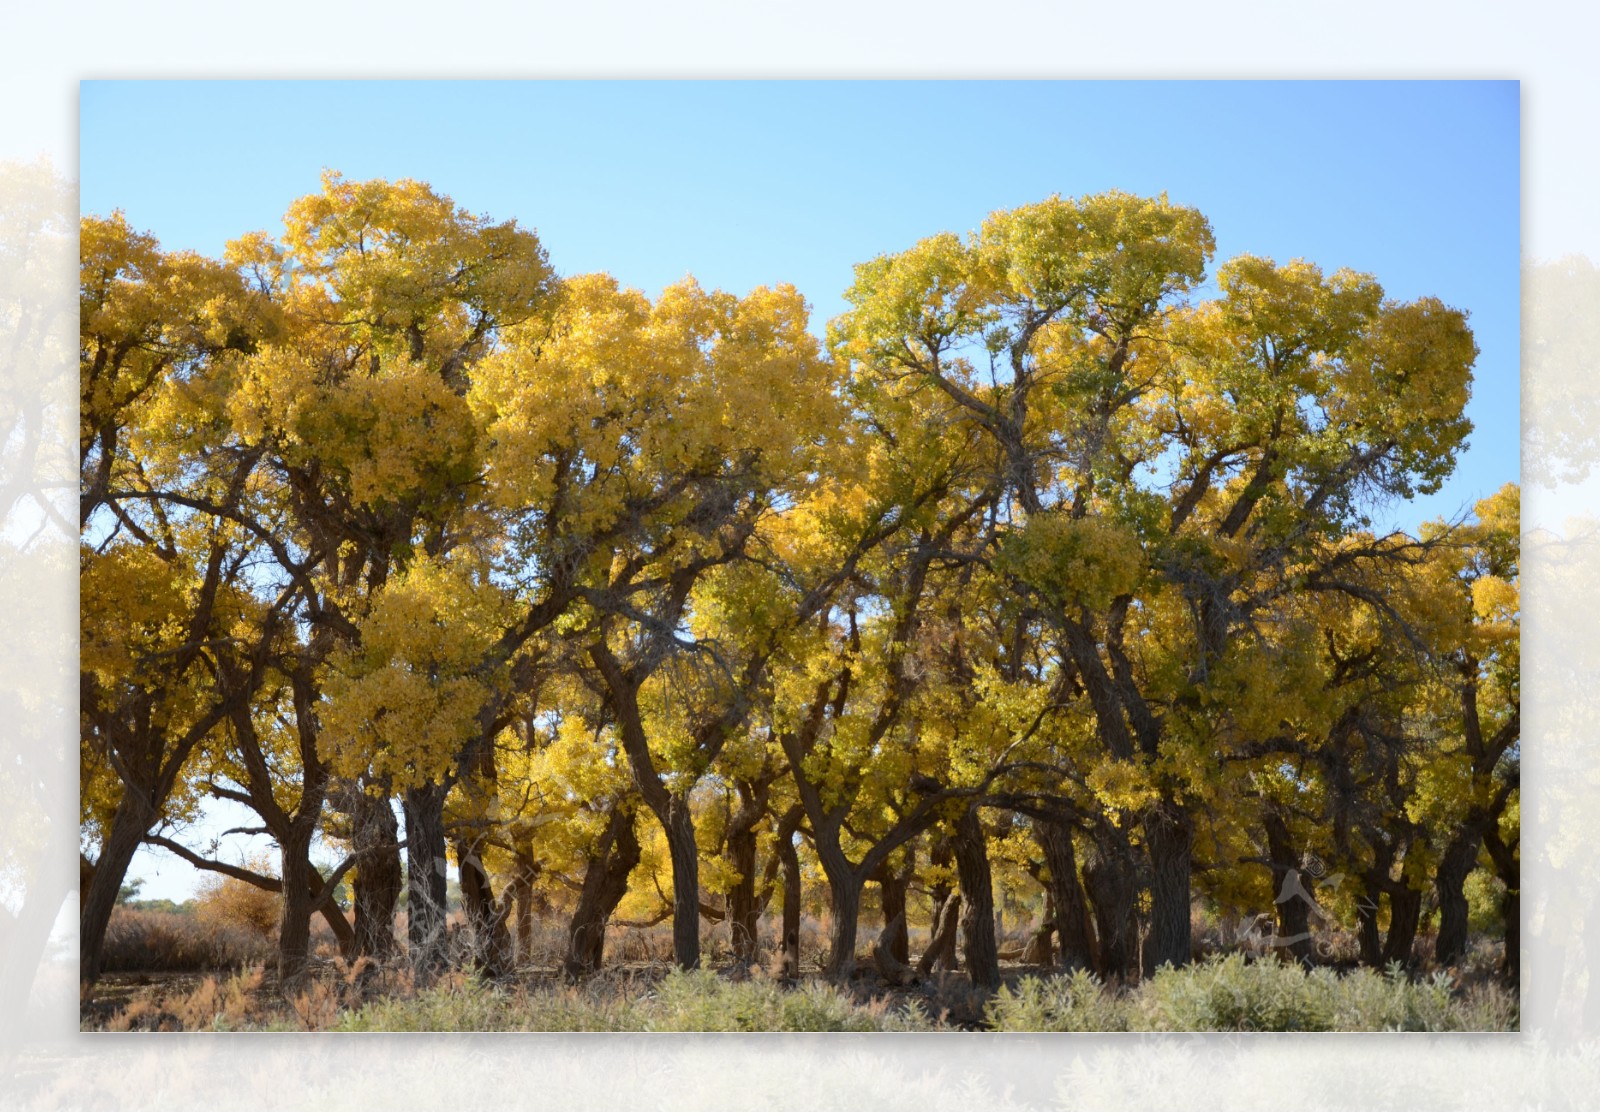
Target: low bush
column 229, row 902
column 696, row 1001
column 1074, row 1002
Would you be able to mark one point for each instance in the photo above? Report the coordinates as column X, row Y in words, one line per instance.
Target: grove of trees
column 1051, row 571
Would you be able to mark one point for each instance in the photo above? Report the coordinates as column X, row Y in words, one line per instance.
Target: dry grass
column 170, row 941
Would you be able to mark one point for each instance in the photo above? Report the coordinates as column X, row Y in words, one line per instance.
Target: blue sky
column 743, row 184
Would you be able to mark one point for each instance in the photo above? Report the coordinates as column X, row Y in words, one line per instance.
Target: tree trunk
column 523, row 893
column 1038, row 951
column 336, row 920
column 977, row 916
column 375, row 837
column 294, row 928
column 1405, row 912
column 1369, row 942
column 892, row 886
column 789, row 943
column 1072, row 918
column 894, row 970
column 605, row 882
column 1169, row 836
column 743, row 913
column 425, row 876
column 685, row 854
column 844, row 887
column 1378, row 883
column 1508, row 868
column 941, row 952
column 1111, row 883
column 129, row 824
column 491, row 941
column 1450, row 883
column 1291, row 887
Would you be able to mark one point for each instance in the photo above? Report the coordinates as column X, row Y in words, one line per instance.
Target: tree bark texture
column 977, row 915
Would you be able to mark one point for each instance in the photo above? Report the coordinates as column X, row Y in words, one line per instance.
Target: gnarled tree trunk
column 1450, row 882
column 685, row 855
column 1112, row 884
column 491, row 939
column 1071, row 915
column 844, row 890
column 1405, row 914
column 977, row 915
column 941, row 952
column 1169, row 836
column 523, row 893
column 789, row 941
column 425, row 876
column 895, row 970
column 605, row 882
column 743, row 912
column 294, row 928
column 892, row 887
column 1291, row 888
column 375, row 890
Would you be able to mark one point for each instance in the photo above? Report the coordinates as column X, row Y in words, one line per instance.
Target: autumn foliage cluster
column 1051, row 570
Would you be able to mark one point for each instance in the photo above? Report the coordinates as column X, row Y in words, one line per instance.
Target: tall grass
column 139, row 941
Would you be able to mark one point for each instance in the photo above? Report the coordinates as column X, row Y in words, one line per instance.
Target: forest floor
column 169, row 972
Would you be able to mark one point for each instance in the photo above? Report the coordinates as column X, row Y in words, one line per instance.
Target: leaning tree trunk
column 1071, row 910
column 941, row 952
column 334, row 917
column 1290, row 888
column 128, row 826
column 1169, row 835
column 685, row 855
column 1450, row 883
column 1111, row 881
column 977, row 915
column 375, row 839
column 425, row 876
column 605, row 882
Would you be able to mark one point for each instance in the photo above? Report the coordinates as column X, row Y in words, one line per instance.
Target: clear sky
column 744, row 184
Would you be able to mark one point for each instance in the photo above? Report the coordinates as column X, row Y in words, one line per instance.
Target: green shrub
column 1072, row 1003
column 1229, row 994
column 700, row 1001
column 696, row 1001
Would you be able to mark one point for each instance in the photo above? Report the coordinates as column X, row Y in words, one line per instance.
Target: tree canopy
column 1042, row 574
